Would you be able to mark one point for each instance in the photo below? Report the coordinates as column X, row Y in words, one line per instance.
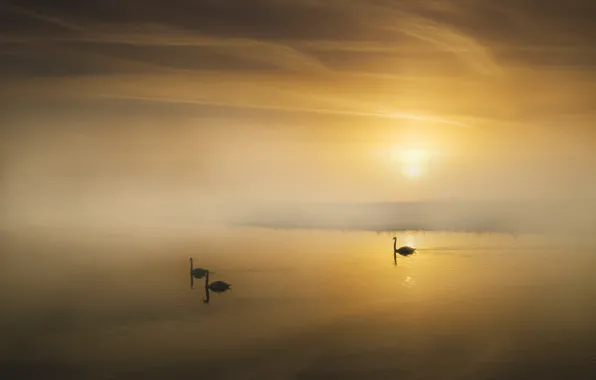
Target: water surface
column 304, row 305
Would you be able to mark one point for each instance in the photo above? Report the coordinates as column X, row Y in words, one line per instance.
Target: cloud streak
column 322, row 111
column 53, row 20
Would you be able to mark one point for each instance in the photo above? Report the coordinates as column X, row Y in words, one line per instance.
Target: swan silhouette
column 403, row 251
column 197, row 272
column 216, row 286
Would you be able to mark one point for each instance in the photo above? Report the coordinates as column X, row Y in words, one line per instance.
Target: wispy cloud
column 283, row 56
column 393, row 115
column 49, row 19
column 432, row 34
column 413, row 60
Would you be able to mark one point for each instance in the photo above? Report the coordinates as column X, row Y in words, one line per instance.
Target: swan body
column 403, row 251
column 197, row 272
column 216, row 286
column 219, row 286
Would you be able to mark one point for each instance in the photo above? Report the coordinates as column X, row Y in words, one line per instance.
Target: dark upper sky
column 497, row 90
column 291, row 35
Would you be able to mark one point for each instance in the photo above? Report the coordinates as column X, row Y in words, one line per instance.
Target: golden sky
column 314, row 100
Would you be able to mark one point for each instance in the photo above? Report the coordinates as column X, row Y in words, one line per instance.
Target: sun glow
column 412, row 161
column 412, row 171
column 410, row 241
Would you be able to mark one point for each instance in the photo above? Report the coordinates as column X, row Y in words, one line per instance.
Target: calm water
column 303, row 305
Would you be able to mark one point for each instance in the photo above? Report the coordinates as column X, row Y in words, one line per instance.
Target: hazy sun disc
column 412, row 161
column 412, row 171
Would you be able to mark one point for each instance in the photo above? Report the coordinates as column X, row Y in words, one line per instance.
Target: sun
column 412, row 171
column 412, row 161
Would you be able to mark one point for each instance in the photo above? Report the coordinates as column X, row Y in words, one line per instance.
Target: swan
column 216, row 286
column 197, row 272
column 404, row 251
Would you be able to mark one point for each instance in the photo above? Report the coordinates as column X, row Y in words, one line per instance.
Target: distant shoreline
column 510, row 217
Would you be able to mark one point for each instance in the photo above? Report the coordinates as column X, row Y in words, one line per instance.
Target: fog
column 143, row 174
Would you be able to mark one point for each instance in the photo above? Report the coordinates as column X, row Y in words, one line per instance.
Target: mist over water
column 139, row 177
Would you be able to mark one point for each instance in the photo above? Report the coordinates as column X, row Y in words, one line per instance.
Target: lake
column 304, row 304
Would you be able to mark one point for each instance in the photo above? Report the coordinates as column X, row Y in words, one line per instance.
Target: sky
column 142, row 105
